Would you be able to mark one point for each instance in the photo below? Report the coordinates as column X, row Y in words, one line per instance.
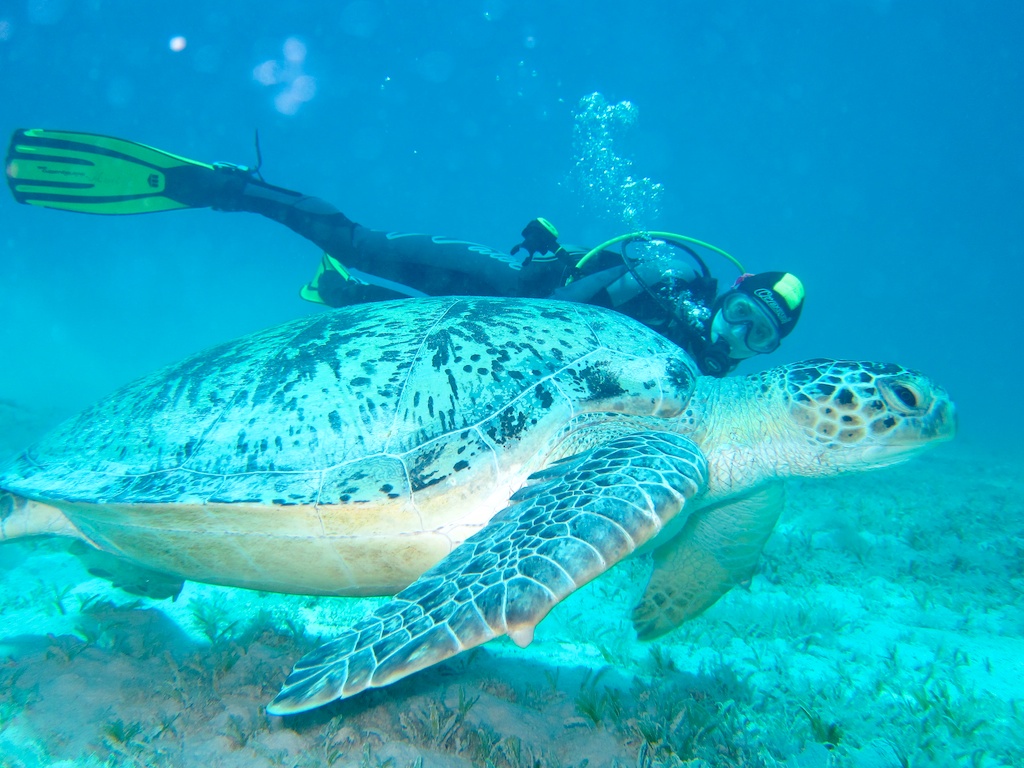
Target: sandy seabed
column 884, row 628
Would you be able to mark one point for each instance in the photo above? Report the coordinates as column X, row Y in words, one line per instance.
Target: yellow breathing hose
column 668, row 236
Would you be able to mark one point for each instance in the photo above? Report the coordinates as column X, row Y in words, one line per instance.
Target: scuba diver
column 658, row 278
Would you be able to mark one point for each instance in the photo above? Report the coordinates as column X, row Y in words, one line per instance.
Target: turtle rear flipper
column 21, row 517
column 717, row 549
column 583, row 517
column 132, row 578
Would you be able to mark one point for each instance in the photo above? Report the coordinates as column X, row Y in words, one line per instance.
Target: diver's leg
column 436, row 265
column 313, row 218
column 432, row 264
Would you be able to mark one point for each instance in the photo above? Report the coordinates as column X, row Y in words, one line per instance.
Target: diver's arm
column 592, row 289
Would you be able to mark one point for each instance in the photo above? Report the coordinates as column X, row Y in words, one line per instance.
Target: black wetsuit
column 395, row 265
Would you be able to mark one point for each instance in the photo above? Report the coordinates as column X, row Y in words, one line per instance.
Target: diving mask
column 746, row 326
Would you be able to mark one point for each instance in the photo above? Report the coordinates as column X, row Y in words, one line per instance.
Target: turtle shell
column 399, row 424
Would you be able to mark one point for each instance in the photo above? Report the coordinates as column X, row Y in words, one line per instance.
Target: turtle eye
column 906, row 396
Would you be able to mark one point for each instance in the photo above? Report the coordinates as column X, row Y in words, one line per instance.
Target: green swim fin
column 89, row 173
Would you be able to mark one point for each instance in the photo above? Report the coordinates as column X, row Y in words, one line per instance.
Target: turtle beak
column 946, row 422
column 940, row 423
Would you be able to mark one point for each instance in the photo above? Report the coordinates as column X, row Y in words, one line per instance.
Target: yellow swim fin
column 90, row 173
column 311, row 290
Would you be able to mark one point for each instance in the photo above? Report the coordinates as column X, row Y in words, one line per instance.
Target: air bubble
column 605, row 181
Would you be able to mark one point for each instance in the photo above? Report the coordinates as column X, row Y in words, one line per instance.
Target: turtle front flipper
column 717, row 549
column 579, row 518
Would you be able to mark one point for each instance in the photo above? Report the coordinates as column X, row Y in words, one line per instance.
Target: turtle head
column 865, row 415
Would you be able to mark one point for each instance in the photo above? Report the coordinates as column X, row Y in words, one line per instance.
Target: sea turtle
column 484, row 456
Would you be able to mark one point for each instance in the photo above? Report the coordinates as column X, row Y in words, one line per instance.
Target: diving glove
column 539, row 236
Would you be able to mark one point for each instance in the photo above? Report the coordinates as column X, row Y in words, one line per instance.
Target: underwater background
column 872, row 147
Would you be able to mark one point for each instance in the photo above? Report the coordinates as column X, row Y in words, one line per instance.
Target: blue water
column 872, row 147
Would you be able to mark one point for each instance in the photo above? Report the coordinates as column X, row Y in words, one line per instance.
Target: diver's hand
column 539, row 236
